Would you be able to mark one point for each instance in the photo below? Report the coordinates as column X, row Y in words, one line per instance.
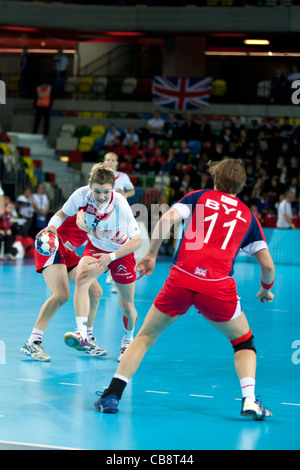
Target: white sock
column 81, row 323
column 36, row 335
column 248, row 387
column 89, row 331
column 128, row 335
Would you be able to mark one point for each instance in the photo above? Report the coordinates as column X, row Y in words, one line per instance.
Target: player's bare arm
column 267, row 275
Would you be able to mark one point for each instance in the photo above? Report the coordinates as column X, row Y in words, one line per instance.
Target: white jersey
column 284, row 207
column 122, row 181
column 110, row 227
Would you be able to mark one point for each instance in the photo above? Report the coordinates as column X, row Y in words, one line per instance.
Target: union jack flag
column 181, row 93
column 201, row 272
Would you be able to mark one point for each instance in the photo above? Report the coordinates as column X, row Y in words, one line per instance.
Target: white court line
column 153, row 391
column 202, row 396
column 291, row 404
column 28, row 380
column 74, row 385
column 37, row 445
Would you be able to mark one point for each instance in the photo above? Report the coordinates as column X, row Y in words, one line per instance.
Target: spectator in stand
column 250, row 182
column 285, row 212
column 273, row 189
column 61, row 64
column 2, row 205
column 266, row 152
column 226, row 140
column 41, row 205
column 278, row 87
column 111, row 135
column 263, row 202
column 286, row 130
column 117, row 147
column 205, row 133
column 253, row 131
column 294, row 188
column 42, row 104
column 189, row 130
column 155, row 125
column 169, row 163
column 155, row 163
column 236, row 127
column 171, row 128
column 131, row 150
column 131, row 134
column 293, row 167
column 280, row 163
column 183, row 153
column 24, row 206
column 268, row 131
column 6, row 234
column 294, row 75
column 257, row 189
column 217, row 151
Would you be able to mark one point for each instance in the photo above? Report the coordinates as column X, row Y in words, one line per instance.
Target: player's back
column 218, row 226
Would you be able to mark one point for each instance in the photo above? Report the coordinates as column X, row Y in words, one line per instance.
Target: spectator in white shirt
column 156, row 125
column 41, row 207
column 111, row 134
column 285, row 213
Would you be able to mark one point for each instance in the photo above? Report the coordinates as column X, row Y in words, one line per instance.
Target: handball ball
column 46, row 243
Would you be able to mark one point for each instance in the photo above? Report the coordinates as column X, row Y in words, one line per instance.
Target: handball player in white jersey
column 217, row 226
column 124, row 186
column 113, row 236
column 58, row 270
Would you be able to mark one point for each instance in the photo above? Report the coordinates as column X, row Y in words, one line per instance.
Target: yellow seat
column 281, row 121
column 5, row 148
column 98, row 131
column 85, row 84
column 219, row 87
column 86, row 144
column 100, row 115
column 85, row 114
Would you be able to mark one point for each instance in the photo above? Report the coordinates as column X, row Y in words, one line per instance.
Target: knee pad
column 244, row 342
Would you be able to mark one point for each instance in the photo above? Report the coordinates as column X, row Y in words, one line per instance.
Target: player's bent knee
column 244, row 342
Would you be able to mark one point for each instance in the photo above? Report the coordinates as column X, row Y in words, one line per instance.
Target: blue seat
column 195, row 146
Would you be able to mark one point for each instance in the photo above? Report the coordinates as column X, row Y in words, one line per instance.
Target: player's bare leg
column 126, row 302
column 154, row 324
column 56, row 278
column 239, row 334
column 86, row 301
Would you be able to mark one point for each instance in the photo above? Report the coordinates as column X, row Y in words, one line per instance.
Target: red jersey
column 217, row 227
column 5, row 221
column 71, row 235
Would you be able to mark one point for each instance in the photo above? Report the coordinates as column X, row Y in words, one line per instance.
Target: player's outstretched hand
column 145, row 266
column 51, row 229
column 265, row 295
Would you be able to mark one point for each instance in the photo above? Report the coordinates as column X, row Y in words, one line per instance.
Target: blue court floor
column 185, row 396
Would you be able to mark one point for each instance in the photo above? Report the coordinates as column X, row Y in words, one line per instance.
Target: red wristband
column 266, row 286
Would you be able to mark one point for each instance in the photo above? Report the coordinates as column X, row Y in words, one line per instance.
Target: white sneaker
column 95, row 350
column 109, row 279
column 124, row 346
column 77, row 340
column 254, row 409
column 35, row 351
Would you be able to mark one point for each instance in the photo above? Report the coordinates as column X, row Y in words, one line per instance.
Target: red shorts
column 62, row 256
column 175, row 299
column 122, row 269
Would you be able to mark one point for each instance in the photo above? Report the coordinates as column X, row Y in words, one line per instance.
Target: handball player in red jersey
column 217, row 226
column 58, row 270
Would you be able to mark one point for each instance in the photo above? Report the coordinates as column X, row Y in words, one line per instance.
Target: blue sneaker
column 108, row 404
column 254, row 409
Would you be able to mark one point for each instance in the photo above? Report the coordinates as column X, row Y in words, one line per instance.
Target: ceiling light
column 257, row 42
